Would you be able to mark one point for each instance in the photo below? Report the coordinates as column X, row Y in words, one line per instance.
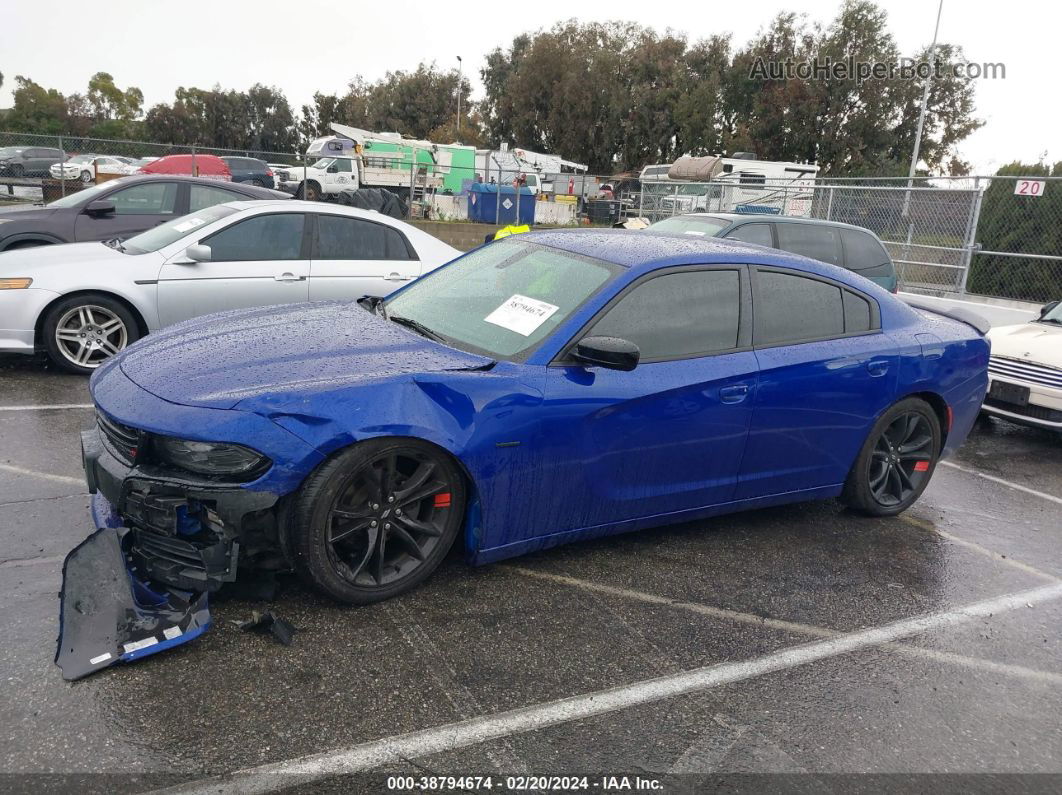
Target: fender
column 22, row 237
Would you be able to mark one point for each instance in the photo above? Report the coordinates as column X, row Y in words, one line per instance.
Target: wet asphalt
column 984, row 696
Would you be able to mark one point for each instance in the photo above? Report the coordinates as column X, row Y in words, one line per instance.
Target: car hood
column 219, row 360
column 32, row 261
column 1031, row 342
column 31, row 213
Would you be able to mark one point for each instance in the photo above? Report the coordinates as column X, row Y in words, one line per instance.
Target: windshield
column 82, row 159
column 172, row 231
column 698, row 225
column 9, row 151
column 324, row 162
column 1054, row 316
column 502, row 299
column 82, row 196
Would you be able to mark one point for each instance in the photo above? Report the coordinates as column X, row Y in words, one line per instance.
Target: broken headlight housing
column 209, row 458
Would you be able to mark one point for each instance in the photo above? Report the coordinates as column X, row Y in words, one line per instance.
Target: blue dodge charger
column 541, row 389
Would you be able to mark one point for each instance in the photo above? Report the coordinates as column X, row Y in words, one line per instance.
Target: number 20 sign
column 1029, row 187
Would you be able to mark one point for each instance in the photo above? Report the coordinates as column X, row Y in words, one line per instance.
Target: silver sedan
column 84, row 302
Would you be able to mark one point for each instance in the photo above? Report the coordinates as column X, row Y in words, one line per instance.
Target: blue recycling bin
column 486, row 206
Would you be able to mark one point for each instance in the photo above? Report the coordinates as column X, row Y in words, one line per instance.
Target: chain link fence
column 992, row 236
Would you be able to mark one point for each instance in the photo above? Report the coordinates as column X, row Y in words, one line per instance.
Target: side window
column 861, row 251
column 678, row 314
column 339, row 237
column 342, row 165
column 202, row 196
column 818, row 242
column 790, row 308
column 856, row 313
column 153, row 198
column 752, row 233
column 264, row 237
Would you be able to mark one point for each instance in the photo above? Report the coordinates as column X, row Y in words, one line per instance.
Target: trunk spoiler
column 963, row 315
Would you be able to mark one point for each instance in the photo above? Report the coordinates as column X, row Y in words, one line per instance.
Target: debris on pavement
column 280, row 629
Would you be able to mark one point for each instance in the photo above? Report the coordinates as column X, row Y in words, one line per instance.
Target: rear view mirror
column 99, row 207
column 612, row 353
column 198, row 253
column 1047, row 308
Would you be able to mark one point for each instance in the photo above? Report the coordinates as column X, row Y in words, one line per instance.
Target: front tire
column 82, row 332
column 376, row 520
column 896, row 461
column 86, row 177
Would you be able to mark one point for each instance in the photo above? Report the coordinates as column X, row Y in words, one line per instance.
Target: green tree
column 36, row 109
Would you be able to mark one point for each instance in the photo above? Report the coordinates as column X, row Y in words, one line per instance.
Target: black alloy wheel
column 896, row 461
column 901, row 458
column 377, row 519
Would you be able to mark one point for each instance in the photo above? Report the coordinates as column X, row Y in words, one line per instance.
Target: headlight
column 208, row 458
column 15, row 284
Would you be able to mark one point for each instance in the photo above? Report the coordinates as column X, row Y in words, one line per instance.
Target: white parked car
column 1026, row 371
column 85, row 167
column 84, row 302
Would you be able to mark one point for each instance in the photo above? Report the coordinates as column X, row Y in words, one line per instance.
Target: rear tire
column 18, row 170
column 84, row 331
column 376, row 520
column 896, row 461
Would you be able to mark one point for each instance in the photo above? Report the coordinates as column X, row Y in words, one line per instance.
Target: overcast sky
column 318, row 45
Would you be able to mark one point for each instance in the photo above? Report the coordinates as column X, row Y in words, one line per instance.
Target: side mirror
column 99, row 207
column 198, row 253
column 612, row 353
column 1048, row 307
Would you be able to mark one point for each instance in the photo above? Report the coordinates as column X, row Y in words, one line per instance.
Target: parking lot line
column 973, row 545
column 454, row 736
column 794, row 627
column 1016, row 486
column 45, row 475
column 55, row 407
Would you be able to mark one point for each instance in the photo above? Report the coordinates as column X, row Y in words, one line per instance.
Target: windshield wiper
column 1049, row 320
column 416, row 326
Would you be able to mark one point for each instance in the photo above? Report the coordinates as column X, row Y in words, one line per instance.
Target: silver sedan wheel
column 86, row 177
column 89, row 334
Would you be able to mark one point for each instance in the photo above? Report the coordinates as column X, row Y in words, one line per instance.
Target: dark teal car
column 844, row 245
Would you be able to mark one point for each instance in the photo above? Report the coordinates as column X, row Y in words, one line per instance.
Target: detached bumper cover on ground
column 108, row 615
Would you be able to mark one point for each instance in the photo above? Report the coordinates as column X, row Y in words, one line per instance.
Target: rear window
column 861, row 251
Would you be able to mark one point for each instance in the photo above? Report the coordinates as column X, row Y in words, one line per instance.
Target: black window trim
column 304, row 250
column 875, row 309
column 744, row 337
column 411, row 252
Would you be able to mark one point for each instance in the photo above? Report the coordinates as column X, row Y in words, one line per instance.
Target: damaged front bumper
column 109, row 614
column 184, row 533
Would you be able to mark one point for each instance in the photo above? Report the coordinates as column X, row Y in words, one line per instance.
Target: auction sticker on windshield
column 521, row 314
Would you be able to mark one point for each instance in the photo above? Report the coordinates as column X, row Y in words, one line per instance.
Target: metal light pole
column 925, row 100
column 460, row 65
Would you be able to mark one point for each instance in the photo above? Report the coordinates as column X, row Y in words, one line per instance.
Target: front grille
column 1031, row 411
column 1030, row 372
column 122, row 440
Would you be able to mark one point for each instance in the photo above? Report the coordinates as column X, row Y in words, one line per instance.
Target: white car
column 85, row 167
column 1026, row 371
column 84, row 302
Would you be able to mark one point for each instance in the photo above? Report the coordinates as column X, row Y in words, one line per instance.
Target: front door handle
column 734, row 394
column 877, row 368
column 288, row 277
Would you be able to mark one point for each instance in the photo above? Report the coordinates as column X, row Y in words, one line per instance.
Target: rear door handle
column 395, row 276
column 734, row 394
column 877, row 368
column 289, row 277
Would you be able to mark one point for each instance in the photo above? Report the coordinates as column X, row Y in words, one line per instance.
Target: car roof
column 775, row 219
column 298, row 205
column 631, row 247
column 239, row 187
